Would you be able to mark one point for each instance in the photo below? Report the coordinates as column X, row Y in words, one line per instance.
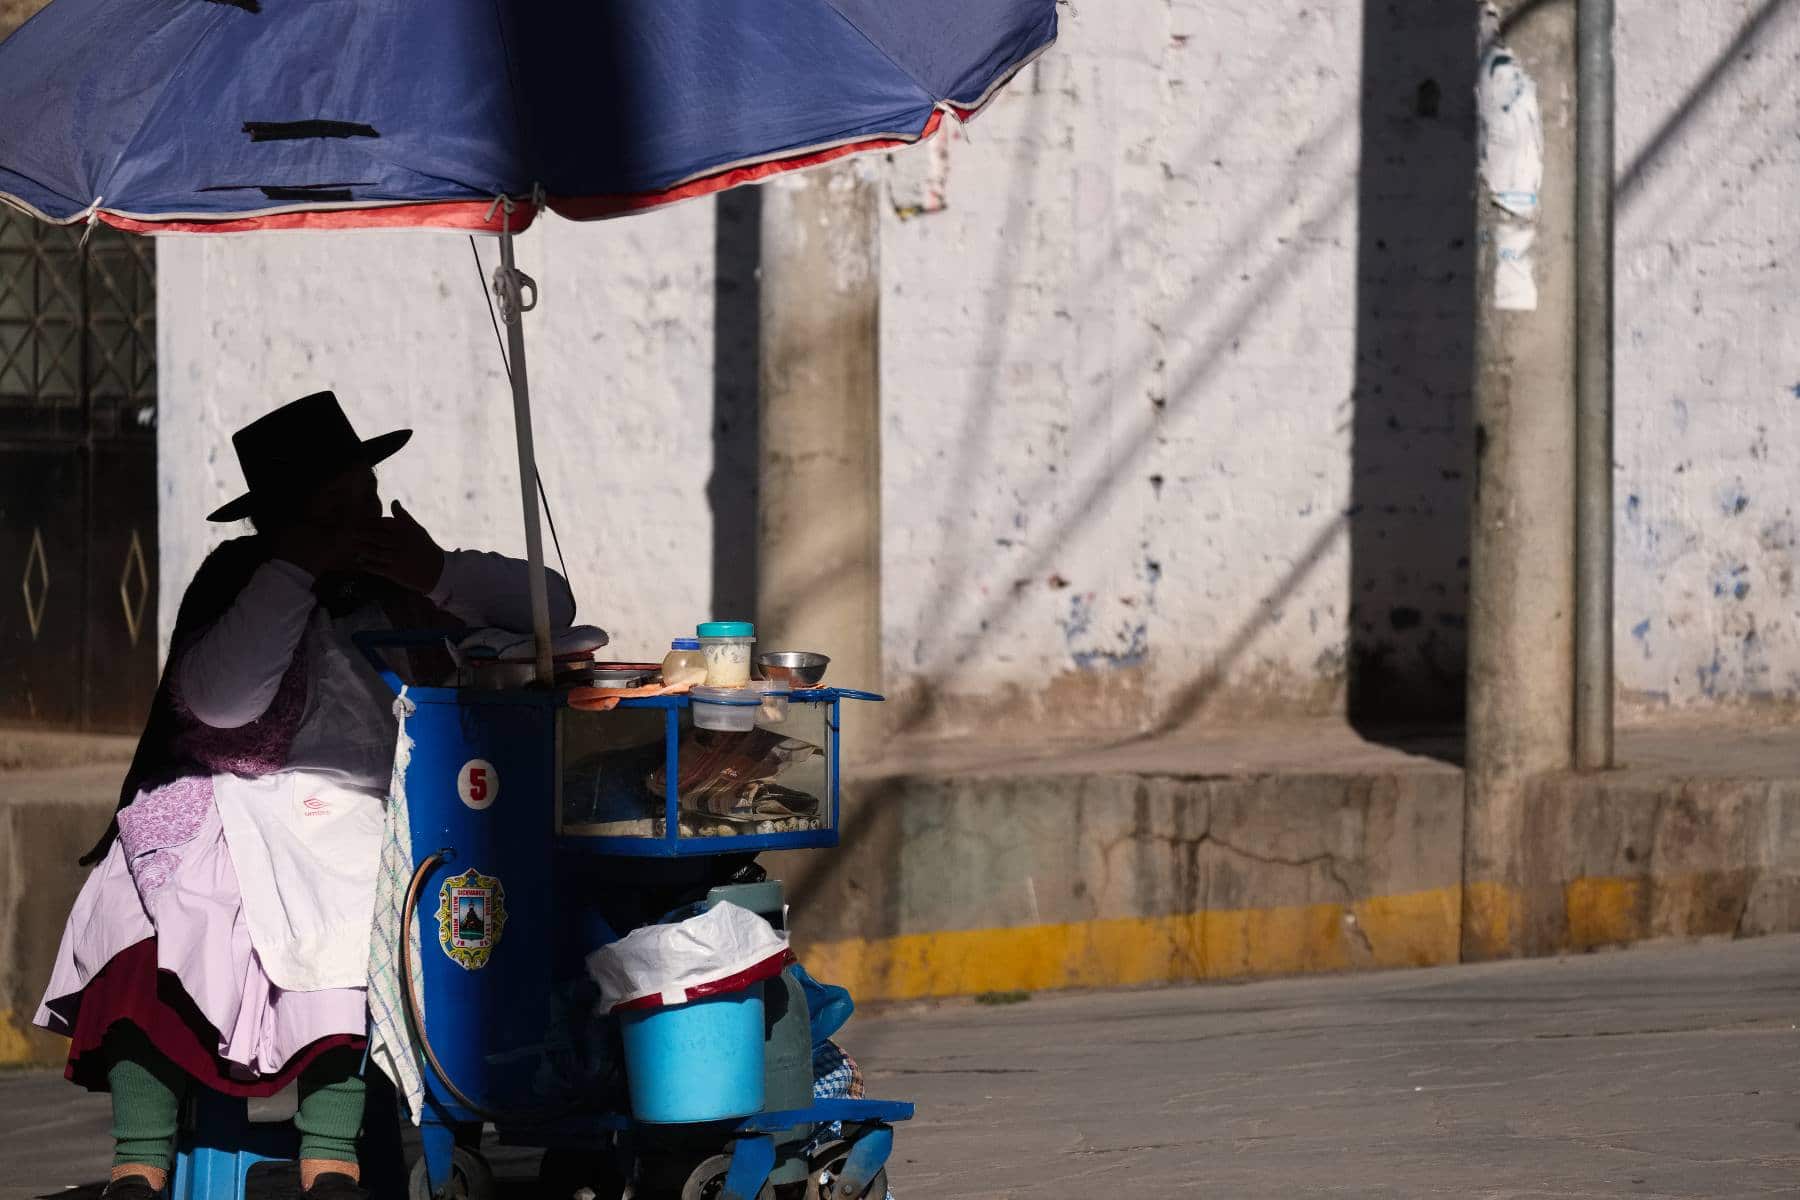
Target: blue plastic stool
column 218, row 1143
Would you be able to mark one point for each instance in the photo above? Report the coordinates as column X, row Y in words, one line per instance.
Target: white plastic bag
column 724, row 949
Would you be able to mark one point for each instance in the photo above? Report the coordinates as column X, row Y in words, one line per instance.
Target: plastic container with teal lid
column 726, row 645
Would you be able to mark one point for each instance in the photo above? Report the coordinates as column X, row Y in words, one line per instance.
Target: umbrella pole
column 512, row 285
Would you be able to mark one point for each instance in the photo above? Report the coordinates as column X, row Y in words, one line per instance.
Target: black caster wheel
column 470, row 1179
column 707, row 1181
column 827, row 1164
column 563, row 1173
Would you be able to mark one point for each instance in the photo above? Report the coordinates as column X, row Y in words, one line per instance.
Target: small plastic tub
column 699, row 1061
column 774, row 695
column 727, row 645
column 732, row 710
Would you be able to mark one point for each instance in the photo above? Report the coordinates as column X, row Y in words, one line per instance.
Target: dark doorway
column 77, row 477
column 1414, row 439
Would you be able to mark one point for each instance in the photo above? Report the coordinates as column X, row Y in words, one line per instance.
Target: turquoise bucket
column 699, row 1061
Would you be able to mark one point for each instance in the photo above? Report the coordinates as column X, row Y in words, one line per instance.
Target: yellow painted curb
column 1604, row 911
column 1413, row 929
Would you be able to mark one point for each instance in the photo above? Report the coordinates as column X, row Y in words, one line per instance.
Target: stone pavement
column 1655, row 1072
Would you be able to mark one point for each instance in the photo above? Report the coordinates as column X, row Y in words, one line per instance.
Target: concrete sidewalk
column 1654, row 1072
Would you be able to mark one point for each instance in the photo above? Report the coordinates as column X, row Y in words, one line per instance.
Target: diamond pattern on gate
column 34, row 605
column 47, row 315
column 42, row 326
column 120, row 277
column 134, row 572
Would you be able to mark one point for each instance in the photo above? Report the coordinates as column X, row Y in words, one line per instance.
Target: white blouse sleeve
column 228, row 674
column 486, row 589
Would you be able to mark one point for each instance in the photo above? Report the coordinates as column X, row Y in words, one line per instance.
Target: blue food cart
column 542, row 830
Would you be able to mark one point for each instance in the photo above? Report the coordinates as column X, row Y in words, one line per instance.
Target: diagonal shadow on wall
column 731, row 488
column 1413, row 441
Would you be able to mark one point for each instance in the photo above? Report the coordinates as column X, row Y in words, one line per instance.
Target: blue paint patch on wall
column 1641, row 632
column 1708, row 675
column 1136, row 650
column 1730, row 581
column 1733, row 499
column 1128, row 647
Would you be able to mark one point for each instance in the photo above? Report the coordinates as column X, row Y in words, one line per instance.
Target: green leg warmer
column 147, row 1090
column 331, row 1106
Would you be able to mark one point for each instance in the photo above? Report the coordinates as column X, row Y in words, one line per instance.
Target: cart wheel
column 827, row 1164
column 563, row 1172
column 470, row 1179
column 707, row 1181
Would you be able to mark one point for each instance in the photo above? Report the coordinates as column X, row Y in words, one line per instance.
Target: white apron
column 306, row 851
column 306, row 842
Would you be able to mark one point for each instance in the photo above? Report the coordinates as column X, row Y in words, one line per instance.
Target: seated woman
column 224, row 938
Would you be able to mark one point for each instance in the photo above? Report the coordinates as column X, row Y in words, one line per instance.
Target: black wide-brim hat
column 298, row 447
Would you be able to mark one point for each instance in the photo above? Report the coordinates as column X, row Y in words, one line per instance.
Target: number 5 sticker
column 478, row 783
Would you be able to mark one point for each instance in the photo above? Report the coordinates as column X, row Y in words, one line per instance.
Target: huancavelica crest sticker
column 471, row 915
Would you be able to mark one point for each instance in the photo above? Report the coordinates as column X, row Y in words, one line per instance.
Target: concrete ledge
column 48, row 819
column 1065, row 871
column 36, row 750
column 1627, row 857
column 961, row 874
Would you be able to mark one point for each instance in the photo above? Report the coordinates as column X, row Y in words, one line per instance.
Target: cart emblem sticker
column 478, row 783
column 471, row 915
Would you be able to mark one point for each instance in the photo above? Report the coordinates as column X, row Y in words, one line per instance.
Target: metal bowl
column 610, row 677
column 801, row 668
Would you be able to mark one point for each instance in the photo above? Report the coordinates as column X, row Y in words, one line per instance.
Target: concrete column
column 819, row 481
column 1521, row 604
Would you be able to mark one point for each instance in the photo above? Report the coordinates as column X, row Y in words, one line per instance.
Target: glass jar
column 726, row 645
column 684, row 664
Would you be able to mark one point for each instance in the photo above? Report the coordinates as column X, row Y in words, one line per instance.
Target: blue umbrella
column 227, row 115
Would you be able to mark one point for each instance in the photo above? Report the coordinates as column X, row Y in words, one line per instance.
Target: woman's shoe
column 130, row 1187
column 333, row 1185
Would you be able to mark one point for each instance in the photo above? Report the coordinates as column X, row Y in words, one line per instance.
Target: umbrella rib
column 882, row 50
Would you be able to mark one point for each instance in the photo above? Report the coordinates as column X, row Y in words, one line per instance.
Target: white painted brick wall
column 1175, row 398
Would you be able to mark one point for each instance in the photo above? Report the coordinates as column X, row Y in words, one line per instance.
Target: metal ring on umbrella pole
column 510, row 288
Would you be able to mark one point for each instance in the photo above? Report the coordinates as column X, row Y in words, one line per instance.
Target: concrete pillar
column 1521, row 604
column 819, row 482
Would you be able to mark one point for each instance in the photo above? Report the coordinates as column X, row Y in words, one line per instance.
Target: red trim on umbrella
column 594, row 208
column 470, row 215
column 474, row 216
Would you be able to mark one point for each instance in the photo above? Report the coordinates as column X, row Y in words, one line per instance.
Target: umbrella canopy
column 217, row 116
column 223, row 115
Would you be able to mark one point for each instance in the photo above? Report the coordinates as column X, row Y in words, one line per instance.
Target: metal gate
column 77, row 476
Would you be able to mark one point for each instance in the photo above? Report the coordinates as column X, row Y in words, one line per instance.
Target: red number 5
column 478, row 788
